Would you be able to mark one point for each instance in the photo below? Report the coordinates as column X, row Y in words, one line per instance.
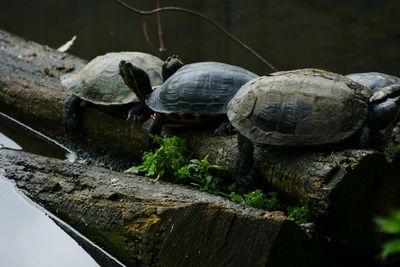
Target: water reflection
column 341, row 36
column 16, row 135
column 30, row 238
column 8, row 143
column 27, row 236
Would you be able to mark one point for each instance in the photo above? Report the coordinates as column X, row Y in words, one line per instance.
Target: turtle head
column 136, row 79
column 170, row 66
column 384, row 110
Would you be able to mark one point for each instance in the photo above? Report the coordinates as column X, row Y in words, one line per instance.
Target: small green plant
column 300, row 214
column 171, row 162
column 163, row 163
column 202, row 172
column 390, row 225
column 236, row 197
column 258, row 199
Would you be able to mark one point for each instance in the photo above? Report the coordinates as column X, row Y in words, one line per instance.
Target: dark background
column 341, row 36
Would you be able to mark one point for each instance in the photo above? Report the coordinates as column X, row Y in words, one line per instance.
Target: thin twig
column 216, row 24
column 147, row 37
column 160, row 32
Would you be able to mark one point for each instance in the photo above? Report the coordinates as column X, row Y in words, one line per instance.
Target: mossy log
column 147, row 223
column 30, row 91
column 347, row 187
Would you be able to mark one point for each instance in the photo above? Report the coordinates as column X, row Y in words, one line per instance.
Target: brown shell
column 299, row 107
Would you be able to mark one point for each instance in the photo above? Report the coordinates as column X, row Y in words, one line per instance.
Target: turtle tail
column 136, row 79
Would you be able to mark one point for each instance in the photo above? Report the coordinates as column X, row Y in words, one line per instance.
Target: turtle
column 374, row 80
column 99, row 83
column 195, row 93
column 305, row 107
column 377, row 81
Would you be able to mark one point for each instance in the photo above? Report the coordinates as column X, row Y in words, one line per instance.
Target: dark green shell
column 202, row 88
column 374, row 80
column 299, row 107
column 99, row 81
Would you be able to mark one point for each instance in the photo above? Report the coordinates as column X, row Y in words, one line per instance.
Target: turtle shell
column 202, row 88
column 374, row 80
column 299, row 107
column 99, row 81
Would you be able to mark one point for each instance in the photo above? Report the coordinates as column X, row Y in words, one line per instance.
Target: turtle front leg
column 155, row 128
column 375, row 139
column 71, row 113
column 245, row 162
column 225, row 128
column 139, row 113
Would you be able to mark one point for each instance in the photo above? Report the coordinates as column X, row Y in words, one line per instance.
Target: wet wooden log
column 30, row 91
column 347, row 187
column 148, row 223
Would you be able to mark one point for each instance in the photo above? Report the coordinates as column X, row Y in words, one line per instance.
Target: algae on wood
column 143, row 222
column 346, row 187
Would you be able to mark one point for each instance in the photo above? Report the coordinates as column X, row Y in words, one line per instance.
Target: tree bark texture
column 147, row 223
column 347, row 187
column 30, row 91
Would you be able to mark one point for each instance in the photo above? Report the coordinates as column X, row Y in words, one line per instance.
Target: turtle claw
column 225, row 129
column 71, row 124
column 135, row 119
column 71, row 114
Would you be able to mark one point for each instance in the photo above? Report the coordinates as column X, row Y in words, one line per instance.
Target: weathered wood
column 347, row 187
column 30, row 90
column 148, row 223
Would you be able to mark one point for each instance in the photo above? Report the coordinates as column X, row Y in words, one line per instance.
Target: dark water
column 30, row 238
column 6, row 142
column 29, row 235
column 341, row 36
column 18, row 136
